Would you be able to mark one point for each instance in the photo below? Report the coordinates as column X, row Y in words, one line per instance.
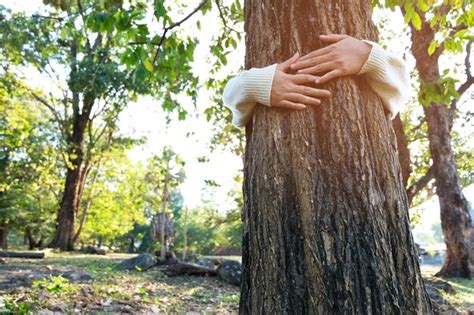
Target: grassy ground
column 463, row 299
column 72, row 282
column 97, row 286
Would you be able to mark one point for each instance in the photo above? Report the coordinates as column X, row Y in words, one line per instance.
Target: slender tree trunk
column 131, row 245
column 87, row 205
column 185, row 233
column 4, row 234
column 162, row 236
column 455, row 216
column 164, row 204
column 326, row 227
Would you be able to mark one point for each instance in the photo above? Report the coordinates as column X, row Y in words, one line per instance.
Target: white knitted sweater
column 386, row 74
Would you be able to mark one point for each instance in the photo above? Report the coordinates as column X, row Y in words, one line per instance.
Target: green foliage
column 207, row 230
column 117, row 200
column 442, row 27
column 55, row 285
column 29, row 161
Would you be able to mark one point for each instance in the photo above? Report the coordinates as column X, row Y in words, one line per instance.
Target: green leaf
column 159, row 8
column 432, row 47
column 148, row 65
column 416, row 21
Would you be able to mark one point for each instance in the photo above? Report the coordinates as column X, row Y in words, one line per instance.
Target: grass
column 111, row 290
column 463, row 299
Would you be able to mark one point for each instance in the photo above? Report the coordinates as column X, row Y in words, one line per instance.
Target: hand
column 289, row 90
column 345, row 56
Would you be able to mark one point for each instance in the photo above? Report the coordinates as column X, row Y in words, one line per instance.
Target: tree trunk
column 326, row 227
column 163, row 247
column 4, row 235
column 131, row 245
column 32, row 244
column 74, row 185
column 65, row 230
column 402, row 149
column 185, row 233
column 455, row 216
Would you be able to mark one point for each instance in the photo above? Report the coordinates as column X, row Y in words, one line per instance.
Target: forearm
column 243, row 92
column 387, row 75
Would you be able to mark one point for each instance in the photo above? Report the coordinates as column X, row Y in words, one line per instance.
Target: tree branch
column 174, row 25
column 221, row 14
column 414, row 189
column 465, row 86
column 58, row 118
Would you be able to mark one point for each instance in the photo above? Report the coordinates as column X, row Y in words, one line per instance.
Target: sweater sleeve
column 387, row 75
column 243, row 92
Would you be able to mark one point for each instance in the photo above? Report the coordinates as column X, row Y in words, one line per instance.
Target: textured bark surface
column 325, row 213
column 74, row 185
column 403, row 151
column 455, row 217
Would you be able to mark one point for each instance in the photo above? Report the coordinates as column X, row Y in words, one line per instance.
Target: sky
column 190, row 138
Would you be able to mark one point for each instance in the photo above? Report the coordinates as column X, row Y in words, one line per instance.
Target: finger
column 327, row 66
column 291, row 105
column 303, row 78
column 317, row 53
column 301, row 64
column 332, row 38
column 313, row 92
column 329, row 76
column 285, row 65
column 303, row 99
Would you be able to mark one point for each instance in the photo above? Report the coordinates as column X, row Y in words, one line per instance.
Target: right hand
column 289, row 90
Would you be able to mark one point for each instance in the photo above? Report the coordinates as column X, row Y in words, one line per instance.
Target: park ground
column 73, row 282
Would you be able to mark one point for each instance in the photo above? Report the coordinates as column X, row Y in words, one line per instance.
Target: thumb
column 285, row 65
column 332, row 38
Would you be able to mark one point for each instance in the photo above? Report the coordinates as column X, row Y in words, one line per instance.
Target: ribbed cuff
column 376, row 61
column 258, row 84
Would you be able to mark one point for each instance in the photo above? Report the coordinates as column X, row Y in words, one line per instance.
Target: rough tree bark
column 326, row 227
column 402, row 149
column 75, row 178
column 455, row 216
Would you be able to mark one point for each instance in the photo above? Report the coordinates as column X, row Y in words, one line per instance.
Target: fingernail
column 317, row 81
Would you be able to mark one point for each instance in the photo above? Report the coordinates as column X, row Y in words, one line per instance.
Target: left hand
column 345, row 56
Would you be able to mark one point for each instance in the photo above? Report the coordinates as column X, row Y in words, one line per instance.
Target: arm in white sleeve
column 387, row 75
column 243, row 92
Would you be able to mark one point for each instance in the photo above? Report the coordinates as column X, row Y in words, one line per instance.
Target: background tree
column 437, row 29
column 165, row 173
column 107, row 54
column 325, row 213
column 116, row 204
column 29, row 165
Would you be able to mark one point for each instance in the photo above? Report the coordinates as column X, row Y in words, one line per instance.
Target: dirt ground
column 77, row 283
